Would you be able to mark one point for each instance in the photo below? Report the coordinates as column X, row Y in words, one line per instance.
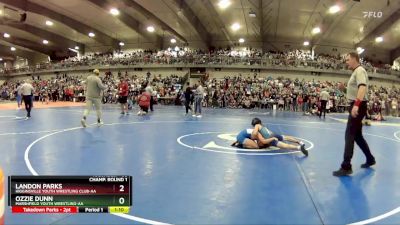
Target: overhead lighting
column 235, row 26
column 45, row 42
column 13, row 49
column 150, row 29
column 1, row 59
column 252, row 14
column 121, row 43
column 91, row 34
column 77, row 47
column 49, row 23
column 334, row 9
column 114, row 12
column 316, row 30
column 306, row 43
column 73, row 50
column 378, row 39
column 6, row 35
column 173, row 40
column 223, row 4
column 241, row 40
column 360, row 50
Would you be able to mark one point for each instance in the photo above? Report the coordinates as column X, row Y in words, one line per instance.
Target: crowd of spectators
column 65, row 87
column 164, row 87
column 230, row 92
column 293, row 58
column 59, row 88
column 292, row 95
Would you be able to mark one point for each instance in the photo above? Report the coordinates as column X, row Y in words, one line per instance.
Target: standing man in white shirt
column 324, row 96
column 94, row 87
column 149, row 89
column 26, row 91
column 18, row 95
column 198, row 99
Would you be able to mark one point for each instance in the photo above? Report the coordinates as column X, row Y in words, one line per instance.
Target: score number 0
column 122, row 199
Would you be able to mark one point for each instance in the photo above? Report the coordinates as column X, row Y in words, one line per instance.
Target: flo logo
column 373, row 14
column 220, row 142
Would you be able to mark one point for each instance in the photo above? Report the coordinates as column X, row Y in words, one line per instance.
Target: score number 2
column 122, row 199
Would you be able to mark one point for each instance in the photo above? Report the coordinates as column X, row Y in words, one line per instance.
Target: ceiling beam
column 151, row 16
column 394, row 54
column 74, row 24
column 263, row 32
column 311, row 16
column 194, row 20
column 221, row 25
column 262, row 29
column 61, row 41
column 277, row 19
column 328, row 24
column 6, row 56
column 19, row 52
column 47, row 50
column 125, row 18
column 379, row 29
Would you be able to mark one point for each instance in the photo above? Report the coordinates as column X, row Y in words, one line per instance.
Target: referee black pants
column 354, row 134
column 28, row 104
column 187, row 106
column 323, row 108
column 151, row 103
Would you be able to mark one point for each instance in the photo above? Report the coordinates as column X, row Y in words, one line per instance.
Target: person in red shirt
column 123, row 90
column 144, row 102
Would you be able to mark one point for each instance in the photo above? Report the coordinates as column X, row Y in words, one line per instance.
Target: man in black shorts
column 123, row 96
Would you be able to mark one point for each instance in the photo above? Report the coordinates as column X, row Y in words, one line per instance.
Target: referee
column 26, row 91
column 324, row 99
column 357, row 89
column 94, row 86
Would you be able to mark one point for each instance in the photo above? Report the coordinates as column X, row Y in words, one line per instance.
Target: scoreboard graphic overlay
column 70, row 194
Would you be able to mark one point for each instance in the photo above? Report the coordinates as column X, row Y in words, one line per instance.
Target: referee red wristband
column 357, row 102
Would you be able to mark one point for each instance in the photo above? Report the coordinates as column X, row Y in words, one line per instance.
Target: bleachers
column 293, row 60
